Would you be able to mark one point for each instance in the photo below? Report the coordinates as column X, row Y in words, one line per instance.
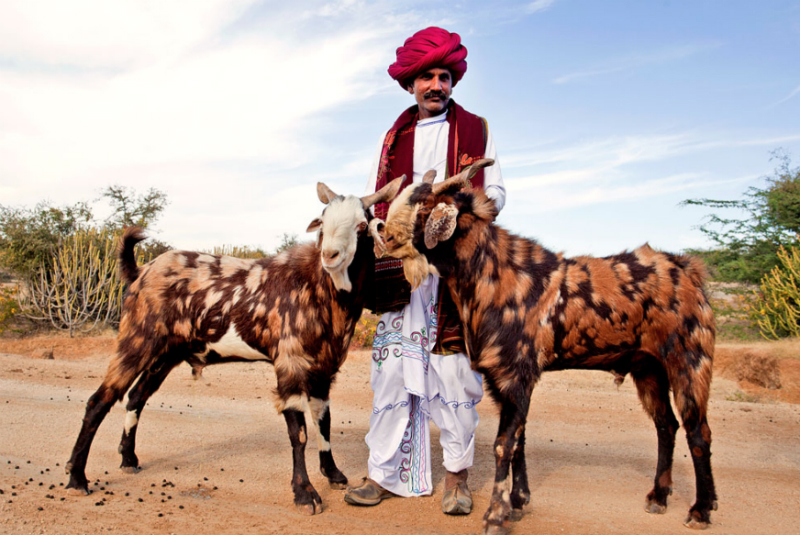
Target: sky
column 606, row 115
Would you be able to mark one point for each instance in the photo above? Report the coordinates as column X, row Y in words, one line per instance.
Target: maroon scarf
column 466, row 143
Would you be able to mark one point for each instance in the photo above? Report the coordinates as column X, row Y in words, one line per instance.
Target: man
column 419, row 367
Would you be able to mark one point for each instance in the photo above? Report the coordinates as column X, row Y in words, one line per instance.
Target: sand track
column 220, row 455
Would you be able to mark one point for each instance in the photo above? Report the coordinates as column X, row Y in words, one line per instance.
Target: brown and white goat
column 526, row 310
column 297, row 310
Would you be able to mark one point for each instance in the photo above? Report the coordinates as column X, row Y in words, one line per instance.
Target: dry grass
column 760, row 369
column 765, row 370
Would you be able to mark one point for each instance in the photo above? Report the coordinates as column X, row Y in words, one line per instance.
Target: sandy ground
column 216, row 458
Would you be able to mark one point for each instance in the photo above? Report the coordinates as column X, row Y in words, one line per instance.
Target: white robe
column 411, row 385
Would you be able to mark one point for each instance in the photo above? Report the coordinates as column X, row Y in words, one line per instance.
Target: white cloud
column 603, row 191
column 539, row 5
column 602, row 156
column 96, row 34
column 612, row 151
column 163, row 94
column 790, row 96
column 600, row 171
column 635, row 61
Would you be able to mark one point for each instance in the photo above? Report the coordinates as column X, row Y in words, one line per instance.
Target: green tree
column 29, row 235
column 288, row 240
column 747, row 247
column 132, row 209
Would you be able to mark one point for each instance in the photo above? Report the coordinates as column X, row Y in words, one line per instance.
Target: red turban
column 426, row 49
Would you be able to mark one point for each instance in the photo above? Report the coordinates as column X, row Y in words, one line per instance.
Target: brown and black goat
column 296, row 310
column 526, row 310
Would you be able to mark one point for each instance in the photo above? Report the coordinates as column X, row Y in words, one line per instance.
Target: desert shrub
column 759, row 369
column 733, row 304
column 365, row 332
column 777, row 308
column 152, row 248
column 28, row 236
column 8, row 306
column 287, row 240
column 239, row 251
column 743, row 397
column 244, row 251
column 80, row 288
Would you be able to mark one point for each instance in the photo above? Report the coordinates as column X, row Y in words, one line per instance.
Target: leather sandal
column 367, row 493
column 457, row 499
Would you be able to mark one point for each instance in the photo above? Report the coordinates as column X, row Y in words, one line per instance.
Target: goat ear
column 314, row 225
column 325, row 194
column 441, row 224
column 376, row 227
column 429, row 177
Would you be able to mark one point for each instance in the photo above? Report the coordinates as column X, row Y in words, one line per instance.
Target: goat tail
column 127, row 258
column 694, row 268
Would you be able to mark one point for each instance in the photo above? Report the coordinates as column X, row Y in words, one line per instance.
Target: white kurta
column 411, row 385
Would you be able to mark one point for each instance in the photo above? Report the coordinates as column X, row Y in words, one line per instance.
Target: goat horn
column 325, row 194
column 429, row 177
column 476, row 166
column 463, row 177
column 385, row 194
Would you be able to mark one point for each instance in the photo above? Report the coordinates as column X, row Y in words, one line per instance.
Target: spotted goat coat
column 527, row 310
column 205, row 309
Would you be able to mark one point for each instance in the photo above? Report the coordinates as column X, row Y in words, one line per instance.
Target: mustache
column 439, row 94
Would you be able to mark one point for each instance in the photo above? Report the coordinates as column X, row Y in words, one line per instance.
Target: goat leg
column 147, row 385
column 321, row 413
column 520, row 493
column 97, row 407
column 652, row 385
column 306, row 498
column 512, row 420
column 698, row 435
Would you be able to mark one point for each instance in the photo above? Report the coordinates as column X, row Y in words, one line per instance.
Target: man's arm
column 372, row 179
column 493, row 176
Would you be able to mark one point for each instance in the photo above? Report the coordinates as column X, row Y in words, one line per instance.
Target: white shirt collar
column 435, row 119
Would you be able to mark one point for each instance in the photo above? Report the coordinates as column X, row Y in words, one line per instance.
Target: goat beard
column 341, row 275
column 416, row 269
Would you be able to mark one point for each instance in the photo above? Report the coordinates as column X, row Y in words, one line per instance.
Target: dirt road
column 216, row 459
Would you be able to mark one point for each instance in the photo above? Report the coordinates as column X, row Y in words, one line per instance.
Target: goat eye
column 361, row 227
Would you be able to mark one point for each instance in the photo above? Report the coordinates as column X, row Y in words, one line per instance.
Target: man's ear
column 441, row 224
column 314, row 225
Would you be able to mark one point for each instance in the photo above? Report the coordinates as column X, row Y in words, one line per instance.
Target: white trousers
column 411, row 386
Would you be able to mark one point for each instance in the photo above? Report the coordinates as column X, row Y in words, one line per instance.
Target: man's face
column 432, row 90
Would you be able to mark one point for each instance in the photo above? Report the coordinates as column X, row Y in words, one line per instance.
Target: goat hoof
column 693, row 523
column 655, row 508
column 337, row 486
column 131, row 469
column 515, row 515
column 74, row 491
column 494, row 529
column 309, row 509
column 714, row 505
